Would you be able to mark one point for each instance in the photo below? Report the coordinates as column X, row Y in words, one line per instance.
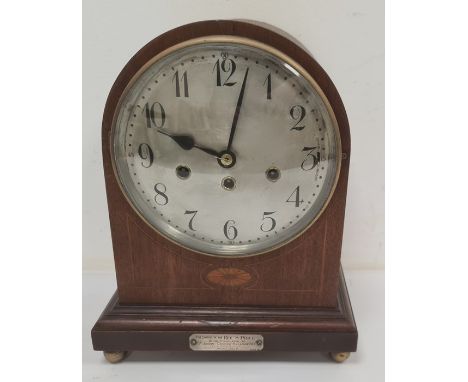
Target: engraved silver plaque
column 226, row 342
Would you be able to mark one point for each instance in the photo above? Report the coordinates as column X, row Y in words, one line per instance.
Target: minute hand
column 237, row 112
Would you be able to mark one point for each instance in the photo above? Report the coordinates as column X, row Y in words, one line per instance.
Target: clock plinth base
column 124, row 328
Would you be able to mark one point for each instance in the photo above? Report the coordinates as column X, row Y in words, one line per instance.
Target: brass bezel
column 251, row 43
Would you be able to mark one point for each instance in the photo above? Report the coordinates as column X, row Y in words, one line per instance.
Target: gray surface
column 366, row 289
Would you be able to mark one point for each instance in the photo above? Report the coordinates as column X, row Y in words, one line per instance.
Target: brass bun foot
column 115, row 356
column 340, row 357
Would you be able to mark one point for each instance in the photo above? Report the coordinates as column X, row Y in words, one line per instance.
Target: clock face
column 226, row 147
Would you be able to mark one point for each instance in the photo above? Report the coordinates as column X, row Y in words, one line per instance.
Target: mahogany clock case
column 164, row 288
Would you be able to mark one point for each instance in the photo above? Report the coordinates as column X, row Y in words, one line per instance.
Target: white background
column 40, row 283
column 345, row 37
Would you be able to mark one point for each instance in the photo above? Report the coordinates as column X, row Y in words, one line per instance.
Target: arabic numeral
column 268, row 83
column 225, row 66
column 311, row 160
column 190, row 224
column 296, row 198
column 230, row 231
column 154, row 118
column 160, row 197
column 176, row 79
column 146, row 154
column 297, row 113
column 268, row 221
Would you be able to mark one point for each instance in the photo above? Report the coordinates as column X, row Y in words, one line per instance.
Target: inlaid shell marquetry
column 230, row 277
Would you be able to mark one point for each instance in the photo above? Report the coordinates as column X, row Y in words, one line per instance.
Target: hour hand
column 187, row 142
column 208, row 151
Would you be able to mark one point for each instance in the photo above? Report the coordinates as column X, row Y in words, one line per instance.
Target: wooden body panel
column 155, row 327
column 153, row 270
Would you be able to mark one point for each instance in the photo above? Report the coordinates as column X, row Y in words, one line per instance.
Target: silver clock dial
column 226, row 148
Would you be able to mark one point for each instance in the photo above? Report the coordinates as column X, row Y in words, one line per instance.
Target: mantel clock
column 226, row 150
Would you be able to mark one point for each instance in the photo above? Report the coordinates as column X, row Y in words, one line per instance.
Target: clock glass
column 226, row 146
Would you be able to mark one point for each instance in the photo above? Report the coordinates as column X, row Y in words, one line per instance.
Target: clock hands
column 187, row 142
column 237, row 112
column 225, row 158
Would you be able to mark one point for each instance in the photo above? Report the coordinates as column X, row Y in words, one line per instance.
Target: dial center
column 227, row 159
